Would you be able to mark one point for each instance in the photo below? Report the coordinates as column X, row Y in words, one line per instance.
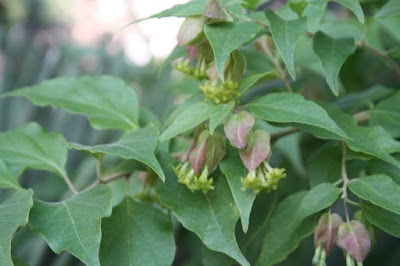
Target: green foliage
column 295, row 109
column 73, row 224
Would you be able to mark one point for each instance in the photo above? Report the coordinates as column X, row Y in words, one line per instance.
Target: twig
column 113, row 177
column 345, row 181
column 383, row 55
column 267, row 51
column 91, row 186
column 362, row 116
column 70, row 185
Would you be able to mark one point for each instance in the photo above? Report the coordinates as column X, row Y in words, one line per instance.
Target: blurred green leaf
column 247, row 82
column 137, row 144
column 31, row 147
column 219, row 214
column 354, row 6
column 332, row 53
column 227, row 37
column 14, row 212
column 7, row 180
column 286, row 33
column 217, row 117
column 382, row 218
column 234, row 170
column 74, row 224
column 379, row 190
column 136, row 234
column 387, row 114
column 108, row 102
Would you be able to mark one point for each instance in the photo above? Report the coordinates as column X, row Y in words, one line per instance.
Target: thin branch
column 345, row 182
column 362, row 117
column 113, row 177
column 278, row 67
column 98, row 167
column 383, row 55
column 91, row 186
column 70, row 185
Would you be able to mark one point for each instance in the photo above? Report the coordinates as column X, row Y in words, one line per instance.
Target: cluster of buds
column 352, row 237
column 264, row 178
column 198, row 72
column 254, row 150
column 205, row 154
column 223, row 93
column 187, row 176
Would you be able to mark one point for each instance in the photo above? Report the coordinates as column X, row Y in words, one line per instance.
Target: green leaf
column 7, row 180
column 298, row 6
column 354, row 6
column 31, row 147
column 137, row 234
column 108, row 102
column 293, row 108
column 379, row 190
column 191, row 8
column 217, row 117
column 137, row 144
column 192, row 116
column 382, row 218
column 373, row 141
column 14, row 212
column 332, row 53
column 377, row 167
column 234, row 170
column 216, row 224
column 325, row 165
column 293, row 220
column 227, row 37
column 250, row 4
column 286, row 34
column 74, row 224
column 387, row 114
column 247, row 82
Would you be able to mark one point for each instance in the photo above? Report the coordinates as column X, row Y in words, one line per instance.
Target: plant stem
column 345, row 181
column 383, row 55
column 362, row 116
column 267, row 51
column 113, row 177
column 70, row 185
column 98, row 167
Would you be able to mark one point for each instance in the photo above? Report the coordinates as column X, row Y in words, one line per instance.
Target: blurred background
column 43, row 39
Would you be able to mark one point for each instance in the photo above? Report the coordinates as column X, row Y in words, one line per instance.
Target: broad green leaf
column 247, row 82
column 298, row 6
column 293, row 108
column 217, row 117
column 390, row 8
column 191, row 8
column 325, row 165
column 387, row 114
column 137, row 234
column 354, row 6
column 227, row 37
column 209, row 257
column 31, row 147
column 382, row 218
column 219, row 214
column 108, row 102
column 379, row 190
column 7, row 180
column 250, row 4
column 332, row 53
column 314, row 12
column 137, row 144
column 14, row 212
column 293, row 220
column 196, row 98
column 234, row 170
column 192, row 116
column 373, row 141
column 286, row 33
column 377, row 167
column 74, row 224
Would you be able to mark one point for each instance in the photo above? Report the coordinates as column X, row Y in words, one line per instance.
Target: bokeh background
column 43, row 39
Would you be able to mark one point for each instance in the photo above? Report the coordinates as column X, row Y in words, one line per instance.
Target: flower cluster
column 198, row 72
column 186, row 175
column 224, row 93
column 264, row 178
